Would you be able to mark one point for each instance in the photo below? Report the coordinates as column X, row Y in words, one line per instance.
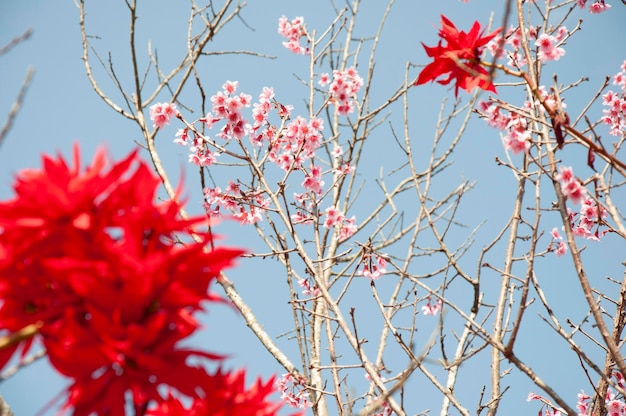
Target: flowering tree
column 385, row 290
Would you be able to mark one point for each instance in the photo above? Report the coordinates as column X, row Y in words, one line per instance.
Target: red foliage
column 92, row 260
column 226, row 395
column 459, row 58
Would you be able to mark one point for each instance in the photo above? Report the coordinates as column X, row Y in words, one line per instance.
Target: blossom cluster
column 344, row 86
column 162, row 113
column 374, row 266
column 307, row 289
column 432, row 307
column 557, row 239
column 598, row 6
column 227, row 106
column 293, row 30
column 292, row 147
column 336, row 219
column 293, row 392
column 94, row 264
column 548, row 45
column 615, row 114
column 570, row 185
column 517, row 136
column 247, row 207
column 591, row 214
column 614, row 404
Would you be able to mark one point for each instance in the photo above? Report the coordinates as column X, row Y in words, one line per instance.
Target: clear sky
column 61, row 108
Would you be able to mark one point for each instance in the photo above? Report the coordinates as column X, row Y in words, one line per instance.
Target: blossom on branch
column 459, row 58
column 162, row 113
column 293, row 30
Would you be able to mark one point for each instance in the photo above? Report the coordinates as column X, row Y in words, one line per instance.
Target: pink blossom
column 432, row 308
column 599, row 6
column 566, row 175
column 518, row 140
column 313, row 184
column 203, row 158
column 574, row 191
column 494, row 115
column 293, row 391
column 570, row 186
column 374, row 266
column 307, row 289
column 615, row 113
column 345, row 168
column 293, row 31
column 496, row 46
column 181, row 137
column 162, row 113
column 336, row 219
column 333, row 217
column 300, row 218
column 230, row 87
column 324, row 79
column 561, row 32
column 582, row 406
column 547, row 49
column 345, row 86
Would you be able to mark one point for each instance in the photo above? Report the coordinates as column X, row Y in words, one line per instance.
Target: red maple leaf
column 459, row 58
column 92, row 261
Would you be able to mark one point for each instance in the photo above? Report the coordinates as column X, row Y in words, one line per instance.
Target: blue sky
column 61, row 109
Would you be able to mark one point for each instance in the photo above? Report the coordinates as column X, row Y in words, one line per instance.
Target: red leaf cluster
column 91, row 260
column 229, row 396
column 459, row 58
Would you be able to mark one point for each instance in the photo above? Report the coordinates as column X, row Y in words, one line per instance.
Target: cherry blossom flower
column 348, row 228
column 385, row 409
column 591, row 215
column 548, row 49
column 561, row 247
column 432, row 308
column 293, row 391
column 615, row 114
column 582, row 404
column 599, row 6
column 182, row 135
column 614, row 406
column 459, row 58
column 494, row 115
column 293, row 30
column 324, row 79
column 518, row 137
column 550, row 409
column 345, row 86
column 307, row 289
column 336, row 219
column 162, row 113
column 374, row 266
column 570, row 186
column 247, row 206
